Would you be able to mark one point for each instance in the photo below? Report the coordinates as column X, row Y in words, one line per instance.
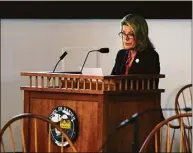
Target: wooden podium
column 100, row 103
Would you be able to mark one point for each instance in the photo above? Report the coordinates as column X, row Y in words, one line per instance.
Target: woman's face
column 128, row 38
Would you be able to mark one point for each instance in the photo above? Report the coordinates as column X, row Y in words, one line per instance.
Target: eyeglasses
column 124, row 35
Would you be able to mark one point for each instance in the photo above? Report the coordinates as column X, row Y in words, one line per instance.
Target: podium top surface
column 76, row 74
column 79, row 83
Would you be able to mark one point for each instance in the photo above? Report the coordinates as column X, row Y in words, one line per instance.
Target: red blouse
column 129, row 61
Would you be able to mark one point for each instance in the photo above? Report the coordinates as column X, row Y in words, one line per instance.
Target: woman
column 138, row 55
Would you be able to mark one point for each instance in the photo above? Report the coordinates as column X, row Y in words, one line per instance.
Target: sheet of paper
column 92, row 71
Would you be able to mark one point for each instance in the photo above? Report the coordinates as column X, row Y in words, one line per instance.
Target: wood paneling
column 87, row 116
column 98, row 113
column 119, row 110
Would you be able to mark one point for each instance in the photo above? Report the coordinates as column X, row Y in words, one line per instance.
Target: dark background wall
column 96, row 9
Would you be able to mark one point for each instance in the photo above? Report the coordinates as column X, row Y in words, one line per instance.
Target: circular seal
column 67, row 120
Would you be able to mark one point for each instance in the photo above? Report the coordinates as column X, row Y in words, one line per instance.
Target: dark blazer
column 145, row 62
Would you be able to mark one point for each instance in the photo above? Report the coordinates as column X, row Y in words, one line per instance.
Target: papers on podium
column 92, row 71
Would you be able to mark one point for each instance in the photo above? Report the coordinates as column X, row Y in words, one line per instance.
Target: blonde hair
column 140, row 28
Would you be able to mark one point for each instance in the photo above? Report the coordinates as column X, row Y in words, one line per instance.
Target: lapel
column 123, row 61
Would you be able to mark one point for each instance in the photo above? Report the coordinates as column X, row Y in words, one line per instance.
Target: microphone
column 134, row 117
column 61, row 58
column 102, row 50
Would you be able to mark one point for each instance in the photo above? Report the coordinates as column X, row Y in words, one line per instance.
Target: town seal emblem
column 67, row 120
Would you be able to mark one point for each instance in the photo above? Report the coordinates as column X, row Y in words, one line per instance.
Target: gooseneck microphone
column 61, row 58
column 102, row 50
column 132, row 120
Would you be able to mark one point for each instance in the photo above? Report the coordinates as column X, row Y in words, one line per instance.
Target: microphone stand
column 134, row 121
column 135, row 135
column 61, row 58
column 102, row 50
column 86, row 59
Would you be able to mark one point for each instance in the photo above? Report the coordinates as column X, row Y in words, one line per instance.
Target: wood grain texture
column 86, row 112
column 26, row 121
column 98, row 115
column 124, row 107
column 99, row 106
column 59, row 82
